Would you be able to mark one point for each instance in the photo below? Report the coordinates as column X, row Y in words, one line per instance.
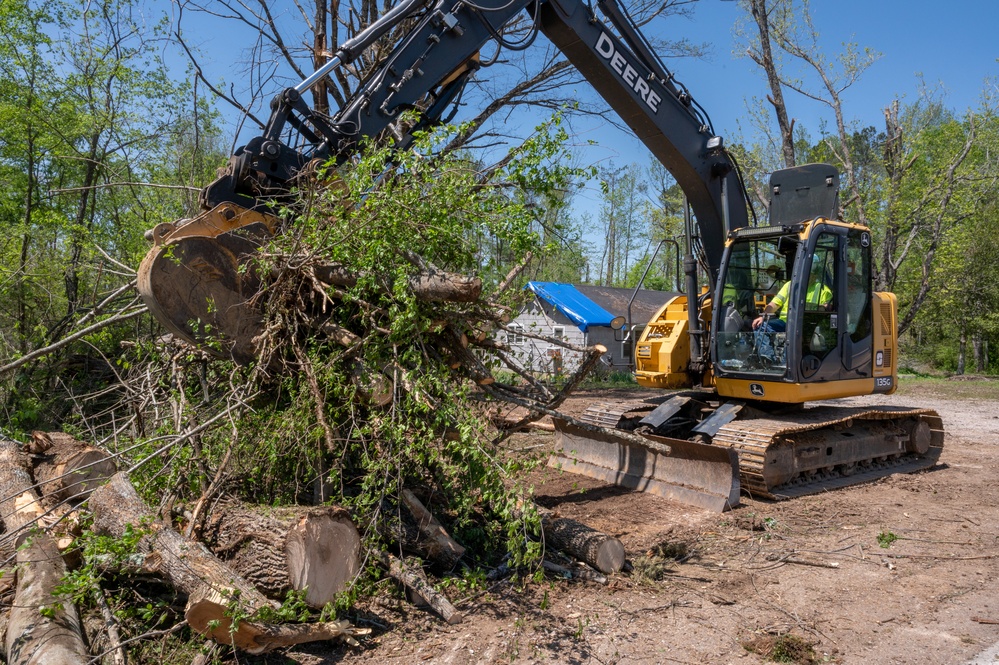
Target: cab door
column 833, row 318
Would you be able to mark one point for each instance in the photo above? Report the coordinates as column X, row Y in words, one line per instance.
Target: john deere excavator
column 735, row 378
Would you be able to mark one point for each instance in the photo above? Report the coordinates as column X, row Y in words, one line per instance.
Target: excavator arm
column 430, row 65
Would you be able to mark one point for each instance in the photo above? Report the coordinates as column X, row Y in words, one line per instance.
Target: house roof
column 645, row 305
column 575, row 306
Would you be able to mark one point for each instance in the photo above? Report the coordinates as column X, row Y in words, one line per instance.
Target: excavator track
column 825, row 448
column 776, row 457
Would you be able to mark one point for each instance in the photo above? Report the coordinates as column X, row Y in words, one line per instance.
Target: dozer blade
column 697, row 474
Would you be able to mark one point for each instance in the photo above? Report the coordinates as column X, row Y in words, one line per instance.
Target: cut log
column 411, row 576
column 208, row 613
column 68, row 469
column 316, row 550
column 323, row 551
column 43, row 628
column 186, row 564
column 603, row 552
column 252, row 544
column 438, row 544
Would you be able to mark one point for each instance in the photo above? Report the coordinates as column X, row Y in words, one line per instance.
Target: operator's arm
column 775, row 305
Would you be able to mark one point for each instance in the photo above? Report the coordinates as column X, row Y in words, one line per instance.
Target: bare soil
column 902, row 570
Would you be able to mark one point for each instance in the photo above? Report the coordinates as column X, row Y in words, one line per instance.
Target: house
column 581, row 315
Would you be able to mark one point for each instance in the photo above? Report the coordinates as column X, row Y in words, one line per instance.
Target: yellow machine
column 743, row 369
column 757, row 356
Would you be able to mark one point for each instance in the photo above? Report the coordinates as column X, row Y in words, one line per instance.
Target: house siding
column 541, row 318
column 537, row 355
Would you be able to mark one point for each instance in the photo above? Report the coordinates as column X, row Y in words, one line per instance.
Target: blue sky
column 948, row 47
column 951, row 47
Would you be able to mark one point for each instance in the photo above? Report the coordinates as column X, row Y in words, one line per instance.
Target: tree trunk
column 316, row 550
column 252, row 544
column 69, row 470
column 43, row 628
column 765, row 59
column 186, row 564
column 981, row 355
column 962, row 348
column 603, row 552
column 429, row 285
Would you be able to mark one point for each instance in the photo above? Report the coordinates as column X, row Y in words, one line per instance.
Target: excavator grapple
column 199, row 279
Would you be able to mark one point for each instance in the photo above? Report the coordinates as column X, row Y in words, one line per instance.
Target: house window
column 558, row 332
column 515, row 334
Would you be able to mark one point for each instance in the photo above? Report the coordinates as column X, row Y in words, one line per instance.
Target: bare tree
column 761, row 53
column 287, row 44
column 788, row 26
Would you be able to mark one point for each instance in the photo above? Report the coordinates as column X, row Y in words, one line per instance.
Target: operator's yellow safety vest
column 818, row 294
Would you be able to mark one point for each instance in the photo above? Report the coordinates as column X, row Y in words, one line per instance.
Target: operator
column 770, row 281
column 818, row 296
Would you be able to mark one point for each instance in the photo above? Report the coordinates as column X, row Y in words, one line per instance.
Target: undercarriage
column 694, row 440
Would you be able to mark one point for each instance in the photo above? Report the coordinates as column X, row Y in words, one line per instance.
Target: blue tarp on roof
column 567, row 299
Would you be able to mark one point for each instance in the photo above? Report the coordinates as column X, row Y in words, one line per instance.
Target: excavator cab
column 820, row 341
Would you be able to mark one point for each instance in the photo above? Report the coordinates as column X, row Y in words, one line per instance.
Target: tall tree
column 806, row 70
column 87, row 148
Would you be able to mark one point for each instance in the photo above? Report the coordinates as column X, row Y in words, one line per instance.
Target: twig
column 935, row 542
column 790, row 558
column 949, row 557
column 176, row 628
column 111, row 628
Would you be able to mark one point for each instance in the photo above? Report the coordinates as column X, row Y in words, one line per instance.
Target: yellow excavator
column 754, row 372
column 735, row 374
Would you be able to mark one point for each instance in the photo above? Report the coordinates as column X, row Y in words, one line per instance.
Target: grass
column 948, row 388
column 785, row 648
column 886, row 538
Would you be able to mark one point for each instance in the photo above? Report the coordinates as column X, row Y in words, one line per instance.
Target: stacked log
column 218, row 597
column 42, row 628
column 255, row 557
column 68, row 470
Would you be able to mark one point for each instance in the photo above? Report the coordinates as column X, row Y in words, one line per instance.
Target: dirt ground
column 809, row 578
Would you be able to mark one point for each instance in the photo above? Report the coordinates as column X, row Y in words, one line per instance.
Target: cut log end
column 603, row 552
column 323, row 555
